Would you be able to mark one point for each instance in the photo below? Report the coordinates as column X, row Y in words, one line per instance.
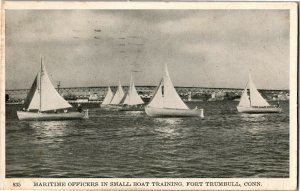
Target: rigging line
column 41, row 84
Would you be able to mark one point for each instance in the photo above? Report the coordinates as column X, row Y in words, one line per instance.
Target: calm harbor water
column 224, row 144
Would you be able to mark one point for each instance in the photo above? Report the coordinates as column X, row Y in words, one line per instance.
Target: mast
column 168, row 94
column 249, row 92
column 249, row 88
column 41, row 84
column 250, row 97
column 130, row 87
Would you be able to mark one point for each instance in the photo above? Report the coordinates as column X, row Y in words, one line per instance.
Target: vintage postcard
column 148, row 95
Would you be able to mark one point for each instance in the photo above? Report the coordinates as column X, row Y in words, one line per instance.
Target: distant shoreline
column 151, row 86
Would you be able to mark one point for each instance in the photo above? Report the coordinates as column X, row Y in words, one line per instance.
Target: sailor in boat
column 79, row 108
column 278, row 105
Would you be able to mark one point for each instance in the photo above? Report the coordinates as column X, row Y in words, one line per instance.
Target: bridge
column 147, row 91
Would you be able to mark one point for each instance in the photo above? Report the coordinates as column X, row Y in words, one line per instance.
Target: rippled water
column 130, row 144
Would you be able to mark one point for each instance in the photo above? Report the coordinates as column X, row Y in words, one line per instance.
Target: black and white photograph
column 150, row 96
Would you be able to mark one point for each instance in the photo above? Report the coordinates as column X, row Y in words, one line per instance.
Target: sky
column 202, row 48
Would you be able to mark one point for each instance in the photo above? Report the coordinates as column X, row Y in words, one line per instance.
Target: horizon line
column 204, row 87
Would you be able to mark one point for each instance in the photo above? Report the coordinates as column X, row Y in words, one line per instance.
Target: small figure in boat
column 79, row 109
column 278, row 105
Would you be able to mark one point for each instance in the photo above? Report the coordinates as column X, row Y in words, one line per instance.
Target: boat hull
column 111, row 107
column 259, row 109
column 132, row 108
column 167, row 112
column 35, row 116
column 122, row 108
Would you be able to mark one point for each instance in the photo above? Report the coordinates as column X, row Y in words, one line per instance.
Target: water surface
column 225, row 144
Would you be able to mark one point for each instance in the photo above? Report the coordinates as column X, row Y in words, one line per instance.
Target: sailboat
column 115, row 100
column 255, row 103
column 109, row 96
column 43, row 101
column 118, row 95
column 167, row 103
column 132, row 101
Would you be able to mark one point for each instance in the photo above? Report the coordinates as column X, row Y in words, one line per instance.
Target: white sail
column 50, row 98
column 167, row 97
column 125, row 99
column 35, row 101
column 255, row 97
column 118, row 96
column 108, row 97
column 33, row 98
column 157, row 99
column 245, row 100
column 171, row 98
column 132, row 97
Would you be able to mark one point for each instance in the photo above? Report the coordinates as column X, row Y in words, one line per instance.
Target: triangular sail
column 245, row 100
column 118, row 96
column 157, row 99
column 50, row 98
column 125, row 99
column 132, row 97
column 31, row 95
column 255, row 97
column 171, row 98
column 108, row 97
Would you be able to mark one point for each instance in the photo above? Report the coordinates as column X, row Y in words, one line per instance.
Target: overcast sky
column 206, row 48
